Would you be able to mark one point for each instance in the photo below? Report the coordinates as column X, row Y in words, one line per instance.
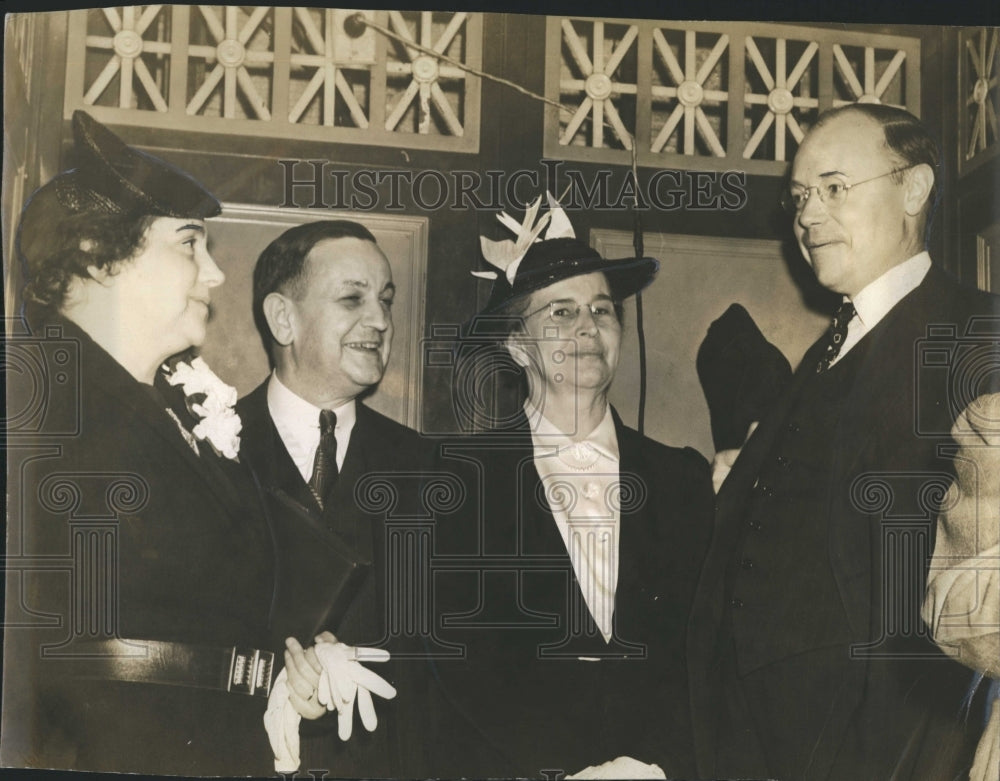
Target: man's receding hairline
column 845, row 112
column 298, row 283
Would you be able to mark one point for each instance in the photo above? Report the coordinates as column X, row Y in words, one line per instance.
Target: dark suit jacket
column 898, row 713
column 380, row 482
column 537, row 690
column 118, row 528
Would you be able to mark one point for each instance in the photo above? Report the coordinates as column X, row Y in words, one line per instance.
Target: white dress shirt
column 297, row 422
column 581, row 483
column 878, row 297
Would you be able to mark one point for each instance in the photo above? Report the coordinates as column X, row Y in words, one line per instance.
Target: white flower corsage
column 212, row 400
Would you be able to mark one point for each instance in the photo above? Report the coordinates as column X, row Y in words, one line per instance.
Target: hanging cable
column 360, row 19
column 640, row 251
column 354, row 26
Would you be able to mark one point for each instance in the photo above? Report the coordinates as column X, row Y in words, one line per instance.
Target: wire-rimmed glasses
column 832, row 192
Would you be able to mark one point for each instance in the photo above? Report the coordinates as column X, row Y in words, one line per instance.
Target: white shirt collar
column 878, row 297
column 297, row 422
column 586, row 471
column 544, row 434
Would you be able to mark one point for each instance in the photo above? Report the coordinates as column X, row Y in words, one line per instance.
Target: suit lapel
column 732, row 497
column 537, row 534
column 704, row 633
column 287, row 476
column 886, row 378
column 633, row 545
column 542, row 537
column 639, row 553
column 342, row 515
column 884, row 385
column 356, row 460
column 267, row 452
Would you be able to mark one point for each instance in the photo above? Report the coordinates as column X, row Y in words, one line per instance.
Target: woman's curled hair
column 56, row 244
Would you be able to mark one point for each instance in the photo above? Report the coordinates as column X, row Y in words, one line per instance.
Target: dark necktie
column 325, row 464
column 835, row 335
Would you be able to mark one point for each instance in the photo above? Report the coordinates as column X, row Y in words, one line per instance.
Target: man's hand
column 724, row 460
column 721, row 465
column 304, row 671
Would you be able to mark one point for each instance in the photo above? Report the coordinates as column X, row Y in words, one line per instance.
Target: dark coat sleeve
column 122, row 530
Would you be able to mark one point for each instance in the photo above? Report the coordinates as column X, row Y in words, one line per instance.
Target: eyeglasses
column 564, row 313
column 831, row 193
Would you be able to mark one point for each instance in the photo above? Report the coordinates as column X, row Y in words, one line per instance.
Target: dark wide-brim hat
column 550, row 261
column 113, row 178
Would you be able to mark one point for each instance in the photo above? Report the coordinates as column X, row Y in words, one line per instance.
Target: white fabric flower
column 219, row 425
column 507, row 254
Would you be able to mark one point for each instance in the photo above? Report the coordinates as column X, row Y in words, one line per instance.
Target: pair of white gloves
column 342, row 682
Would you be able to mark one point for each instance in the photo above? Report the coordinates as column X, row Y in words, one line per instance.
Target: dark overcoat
column 375, row 501
column 118, row 528
column 538, row 688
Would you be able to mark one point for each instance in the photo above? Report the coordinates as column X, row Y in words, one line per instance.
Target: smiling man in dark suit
column 322, row 301
column 807, row 655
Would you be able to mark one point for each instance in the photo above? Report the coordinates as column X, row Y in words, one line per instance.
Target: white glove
column 345, row 680
column 622, row 767
column 281, row 721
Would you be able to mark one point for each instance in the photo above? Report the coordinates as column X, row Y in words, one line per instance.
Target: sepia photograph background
column 427, row 156
column 430, row 156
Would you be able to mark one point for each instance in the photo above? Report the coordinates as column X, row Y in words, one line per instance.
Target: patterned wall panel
column 296, row 72
column 707, row 95
column 978, row 95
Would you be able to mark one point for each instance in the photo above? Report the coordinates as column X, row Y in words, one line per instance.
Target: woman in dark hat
column 577, row 550
column 143, row 646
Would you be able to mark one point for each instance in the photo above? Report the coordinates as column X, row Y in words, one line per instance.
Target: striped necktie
column 325, row 471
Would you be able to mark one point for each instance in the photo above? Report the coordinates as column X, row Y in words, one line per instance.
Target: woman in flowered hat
column 579, row 546
column 157, row 559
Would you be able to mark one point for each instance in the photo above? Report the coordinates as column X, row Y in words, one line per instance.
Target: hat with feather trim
column 529, row 263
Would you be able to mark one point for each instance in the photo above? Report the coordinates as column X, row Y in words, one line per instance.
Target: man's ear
column 918, row 186
column 279, row 313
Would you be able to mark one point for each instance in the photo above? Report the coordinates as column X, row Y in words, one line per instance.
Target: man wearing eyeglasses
column 807, row 656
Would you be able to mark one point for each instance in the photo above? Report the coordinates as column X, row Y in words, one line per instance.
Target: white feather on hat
column 507, row 254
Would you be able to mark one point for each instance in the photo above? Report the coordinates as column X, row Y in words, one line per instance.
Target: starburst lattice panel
column 279, row 72
column 689, row 92
column 330, row 78
column 869, row 74
column 127, row 63
column 708, row 95
column 425, row 95
column 597, row 84
column 780, row 95
column 231, row 62
column 979, row 95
